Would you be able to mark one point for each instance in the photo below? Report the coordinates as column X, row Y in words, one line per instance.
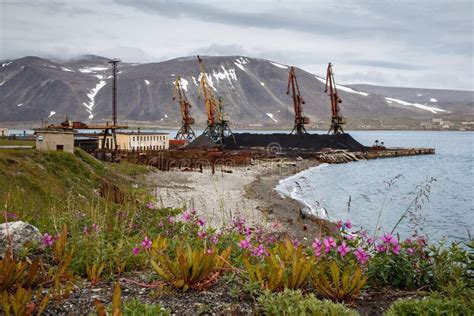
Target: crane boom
column 336, row 118
column 212, row 108
column 300, row 119
column 185, row 132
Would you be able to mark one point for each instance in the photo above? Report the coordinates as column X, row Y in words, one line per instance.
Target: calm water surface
column 449, row 212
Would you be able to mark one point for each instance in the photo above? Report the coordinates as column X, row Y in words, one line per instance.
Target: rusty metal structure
column 186, row 132
column 300, row 119
column 336, row 118
column 114, row 63
column 217, row 124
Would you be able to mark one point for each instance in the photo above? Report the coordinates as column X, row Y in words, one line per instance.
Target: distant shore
column 247, row 191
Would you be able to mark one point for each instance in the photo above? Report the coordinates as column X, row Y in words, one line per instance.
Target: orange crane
column 300, row 119
column 217, row 125
column 336, row 119
column 185, row 132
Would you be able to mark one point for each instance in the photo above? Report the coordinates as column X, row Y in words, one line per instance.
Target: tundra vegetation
column 101, row 228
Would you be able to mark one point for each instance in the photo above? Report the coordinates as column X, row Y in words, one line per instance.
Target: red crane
column 336, row 119
column 185, row 132
column 300, row 119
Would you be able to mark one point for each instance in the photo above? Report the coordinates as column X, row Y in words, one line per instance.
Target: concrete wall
column 53, row 140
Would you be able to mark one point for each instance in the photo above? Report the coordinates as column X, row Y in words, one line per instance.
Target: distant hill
column 254, row 91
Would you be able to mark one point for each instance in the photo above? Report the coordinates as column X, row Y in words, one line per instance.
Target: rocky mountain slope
column 254, row 91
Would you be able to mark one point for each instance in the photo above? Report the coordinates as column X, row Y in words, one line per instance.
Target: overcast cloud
column 400, row 43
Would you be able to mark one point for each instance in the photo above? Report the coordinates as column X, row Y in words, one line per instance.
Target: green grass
column 16, row 142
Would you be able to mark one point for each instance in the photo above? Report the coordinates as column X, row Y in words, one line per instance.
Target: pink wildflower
column 150, row 205
column 380, row 248
column 349, row 236
column 329, row 243
column 348, row 224
column 370, row 240
column 146, row 243
column 209, row 251
column 85, row 231
column 201, row 222
column 339, row 224
column 411, row 251
column 95, row 227
column 214, row 240
column 47, row 240
column 295, row 243
column 389, row 239
column 171, row 219
column 361, row 255
column 136, row 251
column 161, row 224
column 317, row 246
column 201, row 234
column 396, row 249
column 343, row 249
column 244, row 244
column 186, row 216
column 258, row 251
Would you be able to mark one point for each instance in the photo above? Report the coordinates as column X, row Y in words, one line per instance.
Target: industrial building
column 137, row 141
column 55, row 139
column 3, row 131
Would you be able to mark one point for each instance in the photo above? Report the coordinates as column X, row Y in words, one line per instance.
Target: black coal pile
column 202, row 142
column 305, row 141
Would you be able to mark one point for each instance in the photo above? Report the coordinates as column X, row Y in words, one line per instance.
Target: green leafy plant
column 291, row 302
column 286, row 266
column 452, row 269
column 135, row 307
column 430, row 306
column 187, row 267
column 337, row 284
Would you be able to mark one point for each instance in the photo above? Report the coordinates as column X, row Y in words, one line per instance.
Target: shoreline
column 248, row 191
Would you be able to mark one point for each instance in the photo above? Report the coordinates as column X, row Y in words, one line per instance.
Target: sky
column 422, row 43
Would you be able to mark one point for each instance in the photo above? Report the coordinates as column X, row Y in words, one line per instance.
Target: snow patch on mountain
column 240, row 62
column 92, row 93
column 263, row 85
column 67, row 69
column 51, row 113
column 184, row 83
column 343, row 88
column 100, row 77
column 88, row 70
column 147, row 82
column 209, row 80
column 195, row 82
column 278, row 65
column 20, row 104
column 6, row 64
column 270, row 115
column 225, row 74
column 432, row 109
column 433, row 100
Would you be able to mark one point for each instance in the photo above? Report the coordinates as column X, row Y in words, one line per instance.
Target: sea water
column 364, row 191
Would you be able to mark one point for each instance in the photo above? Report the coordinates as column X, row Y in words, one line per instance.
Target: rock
column 20, row 233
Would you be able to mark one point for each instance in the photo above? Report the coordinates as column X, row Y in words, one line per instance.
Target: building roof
column 55, row 130
column 141, row 133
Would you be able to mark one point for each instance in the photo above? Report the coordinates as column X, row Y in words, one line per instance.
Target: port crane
column 217, row 124
column 186, row 132
column 300, row 119
column 336, row 119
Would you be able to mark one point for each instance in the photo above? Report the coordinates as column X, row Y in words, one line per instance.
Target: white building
column 138, row 141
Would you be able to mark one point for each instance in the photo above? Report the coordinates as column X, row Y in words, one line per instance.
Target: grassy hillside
column 35, row 183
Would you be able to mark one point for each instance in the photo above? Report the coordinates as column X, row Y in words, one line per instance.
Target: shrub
column 135, row 307
column 187, row 267
column 430, row 306
column 338, row 284
column 291, row 302
column 285, row 266
column 452, row 269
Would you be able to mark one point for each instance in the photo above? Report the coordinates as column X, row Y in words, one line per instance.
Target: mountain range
column 253, row 91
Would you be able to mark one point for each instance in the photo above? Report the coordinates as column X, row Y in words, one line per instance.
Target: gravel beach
column 247, row 191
